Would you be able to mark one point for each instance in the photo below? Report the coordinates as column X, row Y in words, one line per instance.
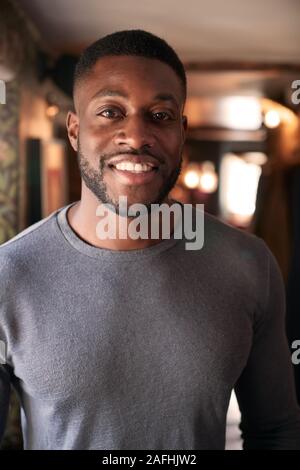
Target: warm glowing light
column 231, row 112
column 241, row 112
column 208, row 182
column 272, row 119
column 191, row 179
column 52, row 110
column 238, row 188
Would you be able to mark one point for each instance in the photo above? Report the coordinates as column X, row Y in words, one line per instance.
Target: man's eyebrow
column 110, row 92
column 166, row 97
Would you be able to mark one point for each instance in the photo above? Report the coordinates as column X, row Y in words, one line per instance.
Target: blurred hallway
column 241, row 158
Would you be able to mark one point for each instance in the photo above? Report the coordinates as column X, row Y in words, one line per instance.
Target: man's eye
column 161, row 116
column 110, row 113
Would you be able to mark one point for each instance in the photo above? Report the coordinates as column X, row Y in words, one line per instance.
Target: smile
column 134, row 167
column 134, row 174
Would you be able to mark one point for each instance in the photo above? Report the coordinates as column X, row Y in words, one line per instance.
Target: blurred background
column 242, row 155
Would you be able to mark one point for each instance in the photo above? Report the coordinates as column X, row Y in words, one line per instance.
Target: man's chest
column 130, row 338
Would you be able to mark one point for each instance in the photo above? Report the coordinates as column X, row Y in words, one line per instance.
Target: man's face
column 128, row 129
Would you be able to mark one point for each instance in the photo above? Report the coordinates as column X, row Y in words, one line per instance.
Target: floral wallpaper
column 9, row 194
column 9, row 162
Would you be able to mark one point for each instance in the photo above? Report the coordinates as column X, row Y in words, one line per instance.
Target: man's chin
column 124, row 204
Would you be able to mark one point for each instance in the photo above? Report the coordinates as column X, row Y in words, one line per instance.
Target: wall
column 9, row 163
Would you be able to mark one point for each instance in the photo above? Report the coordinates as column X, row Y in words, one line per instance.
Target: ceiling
column 212, row 30
column 254, row 36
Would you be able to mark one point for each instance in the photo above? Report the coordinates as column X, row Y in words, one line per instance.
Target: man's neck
column 83, row 219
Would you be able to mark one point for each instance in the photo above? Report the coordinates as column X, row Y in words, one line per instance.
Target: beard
column 94, row 180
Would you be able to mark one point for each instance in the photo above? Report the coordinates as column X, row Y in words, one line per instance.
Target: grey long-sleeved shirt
column 141, row 349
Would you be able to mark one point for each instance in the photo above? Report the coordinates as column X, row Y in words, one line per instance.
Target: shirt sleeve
column 266, row 390
column 5, row 388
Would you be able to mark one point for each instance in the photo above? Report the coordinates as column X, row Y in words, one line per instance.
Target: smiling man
column 128, row 128
column 131, row 343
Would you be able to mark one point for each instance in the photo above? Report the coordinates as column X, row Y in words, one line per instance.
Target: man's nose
column 135, row 132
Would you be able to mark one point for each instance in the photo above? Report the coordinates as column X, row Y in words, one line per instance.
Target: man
column 136, row 343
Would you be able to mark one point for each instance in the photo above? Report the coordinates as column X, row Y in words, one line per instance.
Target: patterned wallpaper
column 9, row 199
column 9, row 162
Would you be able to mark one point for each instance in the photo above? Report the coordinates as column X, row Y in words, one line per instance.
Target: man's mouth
column 134, row 167
column 134, row 172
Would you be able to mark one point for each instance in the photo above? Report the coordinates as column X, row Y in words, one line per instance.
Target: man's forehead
column 127, row 75
column 121, row 92
column 130, row 65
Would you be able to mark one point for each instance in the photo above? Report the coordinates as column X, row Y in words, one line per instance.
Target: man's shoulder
column 29, row 241
column 221, row 234
column 234, row 251
column 242, row 260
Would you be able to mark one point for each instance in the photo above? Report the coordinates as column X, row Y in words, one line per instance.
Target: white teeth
column 136, row 167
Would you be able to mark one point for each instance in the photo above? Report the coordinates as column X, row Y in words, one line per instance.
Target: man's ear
column 72, row 124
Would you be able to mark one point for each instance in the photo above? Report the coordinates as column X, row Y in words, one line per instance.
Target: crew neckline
column 96, row 252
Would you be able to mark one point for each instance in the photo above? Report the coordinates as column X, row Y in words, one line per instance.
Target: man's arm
column 4, row 398
column 266, row 389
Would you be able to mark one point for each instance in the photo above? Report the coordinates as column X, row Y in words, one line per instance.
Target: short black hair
column 134, row 42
